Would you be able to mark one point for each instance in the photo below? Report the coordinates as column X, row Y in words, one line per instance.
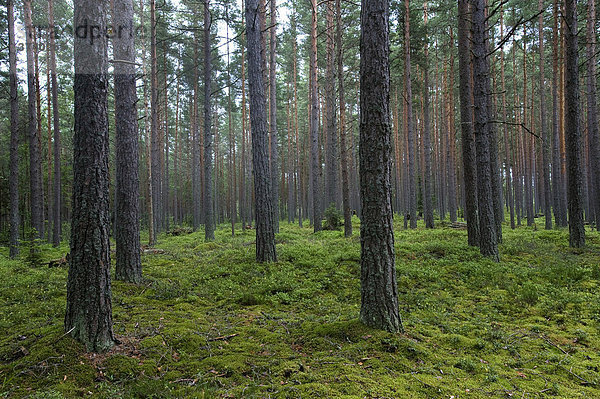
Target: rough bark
column 410, row 132
column 89, row 310
column 544, row 130
column 147, row 138
column 209, row 217
column 508, row 161
column 427, row 193
column 487, row 228
column 466, row 105
column 35, row 156
column 573, row 134
column 273, row 114
column 265, row 235
column 342, row 128
column 379, row 292
column 127, row 230
column 332, row 160
column 14, row 134
column 196, row 175
column 57, row 194
column 155, row 140
column 315, row 164
column 592, row 115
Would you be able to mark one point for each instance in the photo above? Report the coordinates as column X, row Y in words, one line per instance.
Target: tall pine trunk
column 14, row 134
column 592, row 115
column 487, row 228
column 573, row 134
column 209, row 216
column 315, row 164
column 379, row 292
column 88, row 315
column 127, row 230
column 466, row 115
column 265, row 235
column 35, row 156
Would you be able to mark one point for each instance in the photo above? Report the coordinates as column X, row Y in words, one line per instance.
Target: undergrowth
column 208, row 321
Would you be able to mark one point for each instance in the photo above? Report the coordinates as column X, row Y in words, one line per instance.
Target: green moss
column 210, row 322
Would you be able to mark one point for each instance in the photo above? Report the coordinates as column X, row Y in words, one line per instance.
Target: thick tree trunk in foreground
column 209, row 216
column 488, row 243
column 466, row 116
column 14, row 134
column 573, row 135
column 89, row 311
column 379, row 292
column 127, row 227
column 265, row 235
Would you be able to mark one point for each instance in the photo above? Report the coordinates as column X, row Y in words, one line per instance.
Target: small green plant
column 529, row 293
column 33, row 244
column 333, row 218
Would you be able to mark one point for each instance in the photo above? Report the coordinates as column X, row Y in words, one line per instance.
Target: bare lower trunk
column 14, row 134
column 573, row 137
column 379, row 292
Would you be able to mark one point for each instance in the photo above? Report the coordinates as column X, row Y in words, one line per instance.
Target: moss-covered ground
column 210, row 322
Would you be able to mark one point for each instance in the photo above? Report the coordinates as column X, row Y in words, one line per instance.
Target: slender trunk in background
column 573, row 136
column 14, row 134
column 315, row 165
column 508, row 161
column 273, row 115
column 556, row 175
column 265, row 235
column 379, row 292
column 342, row 128
column 592, row 116
column 166, row 209
column 196, row 174
column 544, row 130
column 331, row 159
column 451, row 139
column 88, row 317
column 35, row 156
column 243, row 208
column 56, row 203
column 466, row 105
column 127, row 228
column 411, row 150
column 487, row 228
column 209, row 216
column 149, row 201
column 156, row 175
column 427, row 194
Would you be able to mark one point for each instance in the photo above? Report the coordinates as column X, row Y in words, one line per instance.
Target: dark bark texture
column 315, row 163
column 275, row 172
column 488, row 243
column 127, row 227
column 89, row 310
column 57, row 187
column 379, row 292
column 466, row 117
column 573, row 134
column 265, row 235
column 343, row 143
column 14, row 134
column 592, row 116
column 35, row 151
column 209, row 217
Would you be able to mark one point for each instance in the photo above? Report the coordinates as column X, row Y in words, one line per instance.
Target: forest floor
column 210, row 322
